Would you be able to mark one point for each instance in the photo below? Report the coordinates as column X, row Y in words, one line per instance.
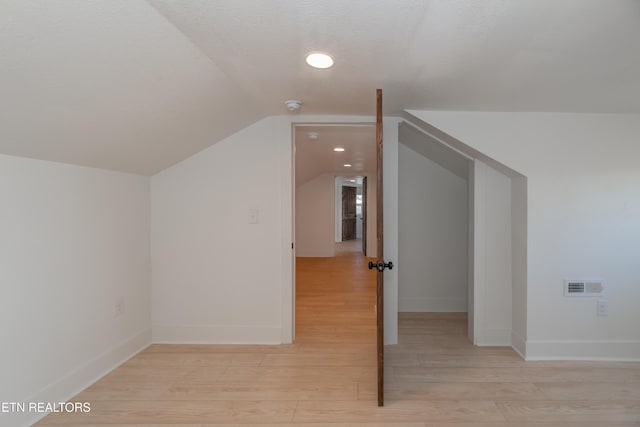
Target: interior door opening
column 334, row 310
column 337, row 301
column 462, row 240
column 331, row 242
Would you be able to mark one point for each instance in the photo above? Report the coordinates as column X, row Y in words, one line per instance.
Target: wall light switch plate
column 254, row 216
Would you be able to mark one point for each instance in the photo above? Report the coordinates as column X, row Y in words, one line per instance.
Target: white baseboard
column 583, row 350
column 216, row 335
column 432, row 305
column 72, row 383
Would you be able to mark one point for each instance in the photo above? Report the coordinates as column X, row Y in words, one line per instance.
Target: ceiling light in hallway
column 319, row 60
column 338, row 149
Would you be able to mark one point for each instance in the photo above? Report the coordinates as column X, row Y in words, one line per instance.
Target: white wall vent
column 583, row 288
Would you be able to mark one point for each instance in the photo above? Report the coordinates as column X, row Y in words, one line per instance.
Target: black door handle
column 380, row 266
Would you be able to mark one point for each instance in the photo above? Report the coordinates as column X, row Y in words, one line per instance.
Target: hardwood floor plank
column 535, row 424
column 322, row 425
column 593, row 391
column 339, row 390
column 291, row 374
column 454, row 391
column 563, row 411
column 361, row 359
column 192, row 360
column 524, row 374
column 167, row 412
column 405, row 411
column 141, row 425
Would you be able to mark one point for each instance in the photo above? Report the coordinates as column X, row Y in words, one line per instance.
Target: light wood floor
column 435, row 378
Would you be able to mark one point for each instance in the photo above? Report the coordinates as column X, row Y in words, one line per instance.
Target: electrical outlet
column 119, row 307
column 603, row 307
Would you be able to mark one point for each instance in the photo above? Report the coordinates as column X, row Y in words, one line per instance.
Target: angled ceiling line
column 231, row 76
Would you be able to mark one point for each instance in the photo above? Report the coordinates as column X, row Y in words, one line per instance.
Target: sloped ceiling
column 138, row 85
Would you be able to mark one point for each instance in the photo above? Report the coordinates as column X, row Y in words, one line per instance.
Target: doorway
column 462, row 238
column 350, row 213
column 334, row 290
column 349, row 220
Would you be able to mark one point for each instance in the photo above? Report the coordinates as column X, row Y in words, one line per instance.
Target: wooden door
column 380, row 264
column 348, row 213
column 364, row 216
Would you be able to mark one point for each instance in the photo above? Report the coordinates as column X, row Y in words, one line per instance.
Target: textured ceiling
column 138, row 85
column 315, row 157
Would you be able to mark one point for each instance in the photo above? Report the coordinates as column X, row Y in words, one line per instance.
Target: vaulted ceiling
column 137, row 85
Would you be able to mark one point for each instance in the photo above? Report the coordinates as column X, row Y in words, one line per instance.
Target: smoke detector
column 293, row 105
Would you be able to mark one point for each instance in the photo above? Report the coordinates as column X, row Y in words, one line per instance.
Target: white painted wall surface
column 432, row 241
column 315, row 217
column 519, row 263
column 337, row 192
column 74, row 241
column 390, row 205
column 372, row 212
column 359, row 215
column 492, row 256
column 583, row 207
column 216, row 277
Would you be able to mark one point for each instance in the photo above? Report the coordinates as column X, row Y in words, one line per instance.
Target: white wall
column 390, row 206
column 74, row 241
column 519, row 263
column 217, row 278
column 582, row 215
column 315, row 217
column 432, row 240
column 493, row 276
column 372, row 212
column 359, row 216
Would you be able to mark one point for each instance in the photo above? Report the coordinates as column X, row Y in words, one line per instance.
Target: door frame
column 289, row 297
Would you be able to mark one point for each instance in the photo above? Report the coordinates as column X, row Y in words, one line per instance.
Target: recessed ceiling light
column 319, row 60
column 347, row 165
column 313, row 135
column 352, row 180
column 338, row 149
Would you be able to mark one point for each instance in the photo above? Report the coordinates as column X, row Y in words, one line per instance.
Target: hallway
column 335, row 300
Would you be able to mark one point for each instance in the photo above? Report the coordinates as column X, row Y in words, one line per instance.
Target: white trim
column 287, row 222
column 621, row 350
column 286, row 131
column 195, row 334
column 80, row 378
column 479, row 251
